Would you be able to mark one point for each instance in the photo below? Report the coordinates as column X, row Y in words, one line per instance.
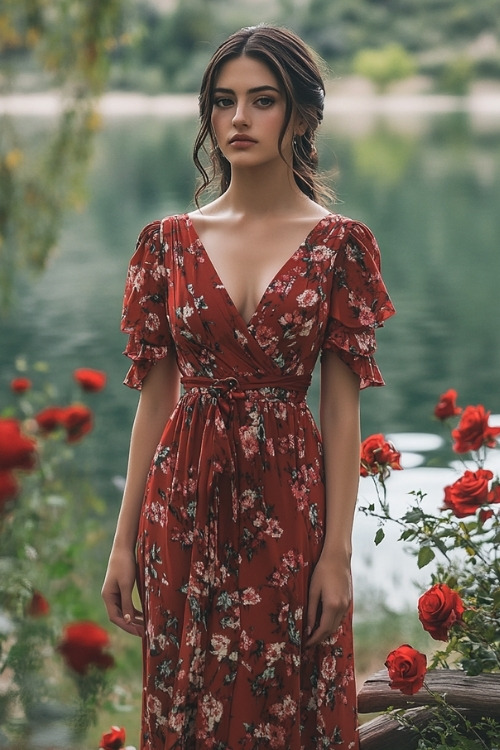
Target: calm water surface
column 429, row 187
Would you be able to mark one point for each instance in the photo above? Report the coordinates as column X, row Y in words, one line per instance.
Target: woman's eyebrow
column 255, row 90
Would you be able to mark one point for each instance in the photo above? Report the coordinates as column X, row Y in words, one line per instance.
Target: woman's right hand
column 117, row 593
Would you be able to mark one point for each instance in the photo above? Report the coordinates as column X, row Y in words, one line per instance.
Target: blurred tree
column 384, row 66
column 66, row 46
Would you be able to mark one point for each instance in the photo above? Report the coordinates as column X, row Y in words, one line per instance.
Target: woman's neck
column 261, row 191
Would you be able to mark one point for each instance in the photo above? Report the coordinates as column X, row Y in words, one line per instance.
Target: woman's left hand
column 330, row 594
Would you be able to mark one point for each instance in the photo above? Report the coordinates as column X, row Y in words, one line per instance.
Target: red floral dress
column 233, row 515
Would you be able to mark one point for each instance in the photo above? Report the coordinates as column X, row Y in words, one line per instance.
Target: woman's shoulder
column 351, row 231
column 159, row 230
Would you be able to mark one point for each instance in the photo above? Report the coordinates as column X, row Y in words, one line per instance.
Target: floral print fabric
column 233, row 514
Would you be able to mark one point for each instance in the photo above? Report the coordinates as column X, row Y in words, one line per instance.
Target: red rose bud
column 465, row 496
column 49, row 419
column 438, row 609
column 447, row 406
column 77, row 421
column 9, row 487
column 90, row 380
column 38, row 606
column 83, row 645
column 16, row 450
column 20, row 385
column 378, row 456
column 474, row 431
column 113, row 740
column 407, row 668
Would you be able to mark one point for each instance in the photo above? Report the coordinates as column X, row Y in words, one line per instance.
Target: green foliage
column 59, row 45
column 457, row 76
column 449, row 729
column 384, row 66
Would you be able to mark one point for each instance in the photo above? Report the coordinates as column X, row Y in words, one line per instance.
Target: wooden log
column 480, row 694
column 386, row 733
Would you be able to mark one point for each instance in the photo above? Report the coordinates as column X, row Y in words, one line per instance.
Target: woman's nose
column 240, row 118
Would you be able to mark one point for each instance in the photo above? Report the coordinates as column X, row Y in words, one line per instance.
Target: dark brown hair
column 298, row 73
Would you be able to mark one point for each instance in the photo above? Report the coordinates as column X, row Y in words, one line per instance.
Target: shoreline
column 134, row 104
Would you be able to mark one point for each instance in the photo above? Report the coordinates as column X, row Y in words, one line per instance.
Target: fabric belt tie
column 292, row 387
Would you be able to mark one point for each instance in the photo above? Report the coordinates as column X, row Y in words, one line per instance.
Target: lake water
column 429, row 187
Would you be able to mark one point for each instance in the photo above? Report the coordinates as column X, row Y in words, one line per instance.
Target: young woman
column 240, row 510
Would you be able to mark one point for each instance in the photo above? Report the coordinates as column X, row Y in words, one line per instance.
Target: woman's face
column 248, row 112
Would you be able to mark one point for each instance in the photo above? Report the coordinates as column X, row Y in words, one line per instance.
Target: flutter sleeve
column 144, row 315
column 359, row 304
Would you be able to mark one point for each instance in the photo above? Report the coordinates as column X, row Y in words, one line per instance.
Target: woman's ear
column 299, row 127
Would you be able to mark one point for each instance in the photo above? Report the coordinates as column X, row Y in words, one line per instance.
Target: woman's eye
column 223, row 102
column 265, row 101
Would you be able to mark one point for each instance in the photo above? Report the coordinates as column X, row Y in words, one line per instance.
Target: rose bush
column 53, row 657
column 462, row 605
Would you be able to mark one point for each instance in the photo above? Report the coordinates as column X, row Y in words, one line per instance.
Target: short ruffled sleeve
column 359, row 304
column 144, row 316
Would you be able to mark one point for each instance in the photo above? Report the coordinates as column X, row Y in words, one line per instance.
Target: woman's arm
column 159, row 396
column 340, row 428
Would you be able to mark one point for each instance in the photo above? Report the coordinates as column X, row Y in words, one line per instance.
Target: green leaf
column 379, row 536
column 425, row 556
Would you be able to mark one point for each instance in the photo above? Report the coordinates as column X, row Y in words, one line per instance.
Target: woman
column 242, row 513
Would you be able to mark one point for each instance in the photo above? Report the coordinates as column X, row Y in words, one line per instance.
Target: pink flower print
column 249, row 596
column 249, row 441
column 273, row 652
column 212, row 711
column 245, row 641
column 269, row 526
column 267, row 339
column 365, row 314
column 308, row 298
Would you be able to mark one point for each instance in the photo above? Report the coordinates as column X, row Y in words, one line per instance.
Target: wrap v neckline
column 281, row 270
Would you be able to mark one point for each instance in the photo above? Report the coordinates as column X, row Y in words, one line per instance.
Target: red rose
column 474, row 431
column 77, row 421
column 438, row 609
column 16, row 450
column 20, row 385
column 90, row 380
column 38, row 606
column 406, row 667
column 378, row 456
column 113, row 740
column 465, row 496
column 49, row 419
column 83, row 644
column 9, row 487
column 447, row 406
